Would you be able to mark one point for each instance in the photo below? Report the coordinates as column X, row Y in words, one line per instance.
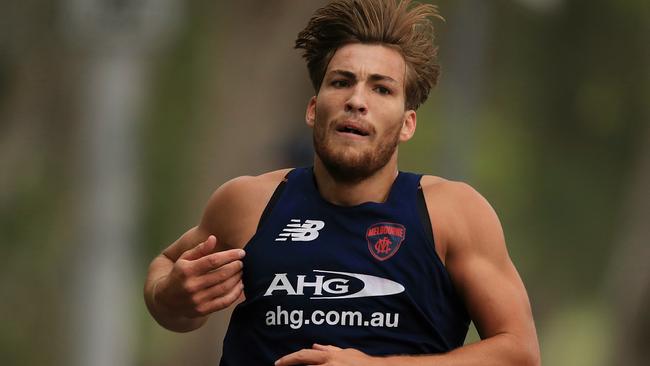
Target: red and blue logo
column 384, row 239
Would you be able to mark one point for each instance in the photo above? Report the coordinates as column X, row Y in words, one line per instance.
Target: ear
column 310, row 114
column 408, row 126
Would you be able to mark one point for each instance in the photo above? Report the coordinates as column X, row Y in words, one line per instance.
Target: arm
column 184, row 286
column 474, row 251
column 198, row 274
column 480, row 267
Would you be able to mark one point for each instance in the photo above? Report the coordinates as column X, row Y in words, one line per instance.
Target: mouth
column 353, row 128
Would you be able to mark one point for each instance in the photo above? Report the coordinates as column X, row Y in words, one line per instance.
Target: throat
column 375, row 188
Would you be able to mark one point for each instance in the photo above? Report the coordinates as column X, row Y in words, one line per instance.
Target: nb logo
column 295, row 231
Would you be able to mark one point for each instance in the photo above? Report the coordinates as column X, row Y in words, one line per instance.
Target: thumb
column 201, row 250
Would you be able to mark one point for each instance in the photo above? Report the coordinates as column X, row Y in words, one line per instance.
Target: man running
column 352, row 262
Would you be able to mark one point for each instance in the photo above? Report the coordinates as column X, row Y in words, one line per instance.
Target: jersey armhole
column 274, row 198
column 425, row 219
column 423, row 214
column 425, row 222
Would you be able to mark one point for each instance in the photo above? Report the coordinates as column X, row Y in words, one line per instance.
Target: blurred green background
column 119, row 118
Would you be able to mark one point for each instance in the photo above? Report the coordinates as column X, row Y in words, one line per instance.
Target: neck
column 372, row 189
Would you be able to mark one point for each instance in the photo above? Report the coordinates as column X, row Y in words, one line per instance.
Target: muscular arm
column 480, row 267
column 199, row 274
column 470, row 240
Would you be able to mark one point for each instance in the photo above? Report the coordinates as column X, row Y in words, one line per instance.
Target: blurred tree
column 114, row 41
column 556, row 138
column 253, row 92
column 35, row 151
column 629, row 272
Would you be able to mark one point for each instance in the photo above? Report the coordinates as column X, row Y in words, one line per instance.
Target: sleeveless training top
column 364, row 277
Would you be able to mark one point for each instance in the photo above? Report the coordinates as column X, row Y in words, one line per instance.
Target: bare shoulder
column 234, row 209
column 245, row 186
column 460, row 216
column 455, row 194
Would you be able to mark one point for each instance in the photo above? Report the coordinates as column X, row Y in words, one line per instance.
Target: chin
column 350, row 165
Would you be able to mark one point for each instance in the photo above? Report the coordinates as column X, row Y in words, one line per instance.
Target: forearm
column 499, row 350
column 160, row 268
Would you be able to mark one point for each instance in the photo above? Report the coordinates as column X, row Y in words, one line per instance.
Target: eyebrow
column 373, row 77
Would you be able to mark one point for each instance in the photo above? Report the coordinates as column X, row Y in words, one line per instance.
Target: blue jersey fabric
column 365, row 277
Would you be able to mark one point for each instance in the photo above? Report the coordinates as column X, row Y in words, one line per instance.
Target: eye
column 340, row 83
column 382, row 90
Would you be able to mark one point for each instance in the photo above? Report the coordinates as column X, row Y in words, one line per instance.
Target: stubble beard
column 348, row 166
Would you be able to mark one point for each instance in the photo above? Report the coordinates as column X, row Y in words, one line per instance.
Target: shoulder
column 461, row 217
column 459, row 197
column 247, row 187
column 233, row 210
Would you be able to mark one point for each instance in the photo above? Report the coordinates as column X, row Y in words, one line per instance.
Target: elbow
column 534, row 354
column 531, row 358
column 523, row 351
column 530, row 353
column 181, row 327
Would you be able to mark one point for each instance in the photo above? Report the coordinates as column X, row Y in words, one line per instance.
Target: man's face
column 358, row 115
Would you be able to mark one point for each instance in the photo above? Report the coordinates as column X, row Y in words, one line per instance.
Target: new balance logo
column 295, row 231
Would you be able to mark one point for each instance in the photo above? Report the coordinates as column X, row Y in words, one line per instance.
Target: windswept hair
column 402, row 25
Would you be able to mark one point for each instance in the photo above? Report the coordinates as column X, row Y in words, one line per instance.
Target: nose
column 356, row 103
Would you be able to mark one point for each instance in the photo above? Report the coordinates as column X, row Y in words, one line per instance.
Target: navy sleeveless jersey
column 364, row 277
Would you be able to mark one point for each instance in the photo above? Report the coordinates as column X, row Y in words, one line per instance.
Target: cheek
column 392, row 120
column 320, row 107
column 320, row 117
column 325, row 112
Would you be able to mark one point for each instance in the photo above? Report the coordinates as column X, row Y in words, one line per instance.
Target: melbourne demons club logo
column 384, row 239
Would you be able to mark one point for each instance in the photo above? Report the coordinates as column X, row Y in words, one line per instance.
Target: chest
column 329, row 254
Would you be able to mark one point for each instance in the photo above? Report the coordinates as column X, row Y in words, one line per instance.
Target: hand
column 328, row 356
column 201, row 281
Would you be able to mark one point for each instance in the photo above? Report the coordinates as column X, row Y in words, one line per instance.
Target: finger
column 218, row 290
column 202, row 249
column 221, row 274
column 322, row 347
column 216, row 260
column 304, row 356
column 241, row 298
column 223, row 302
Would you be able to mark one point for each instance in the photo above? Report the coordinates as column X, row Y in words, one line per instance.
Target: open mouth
column 353, row 130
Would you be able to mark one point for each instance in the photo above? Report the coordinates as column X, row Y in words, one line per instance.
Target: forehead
column 368, row 59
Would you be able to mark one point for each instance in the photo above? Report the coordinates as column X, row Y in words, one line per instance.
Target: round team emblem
column 384, row 239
